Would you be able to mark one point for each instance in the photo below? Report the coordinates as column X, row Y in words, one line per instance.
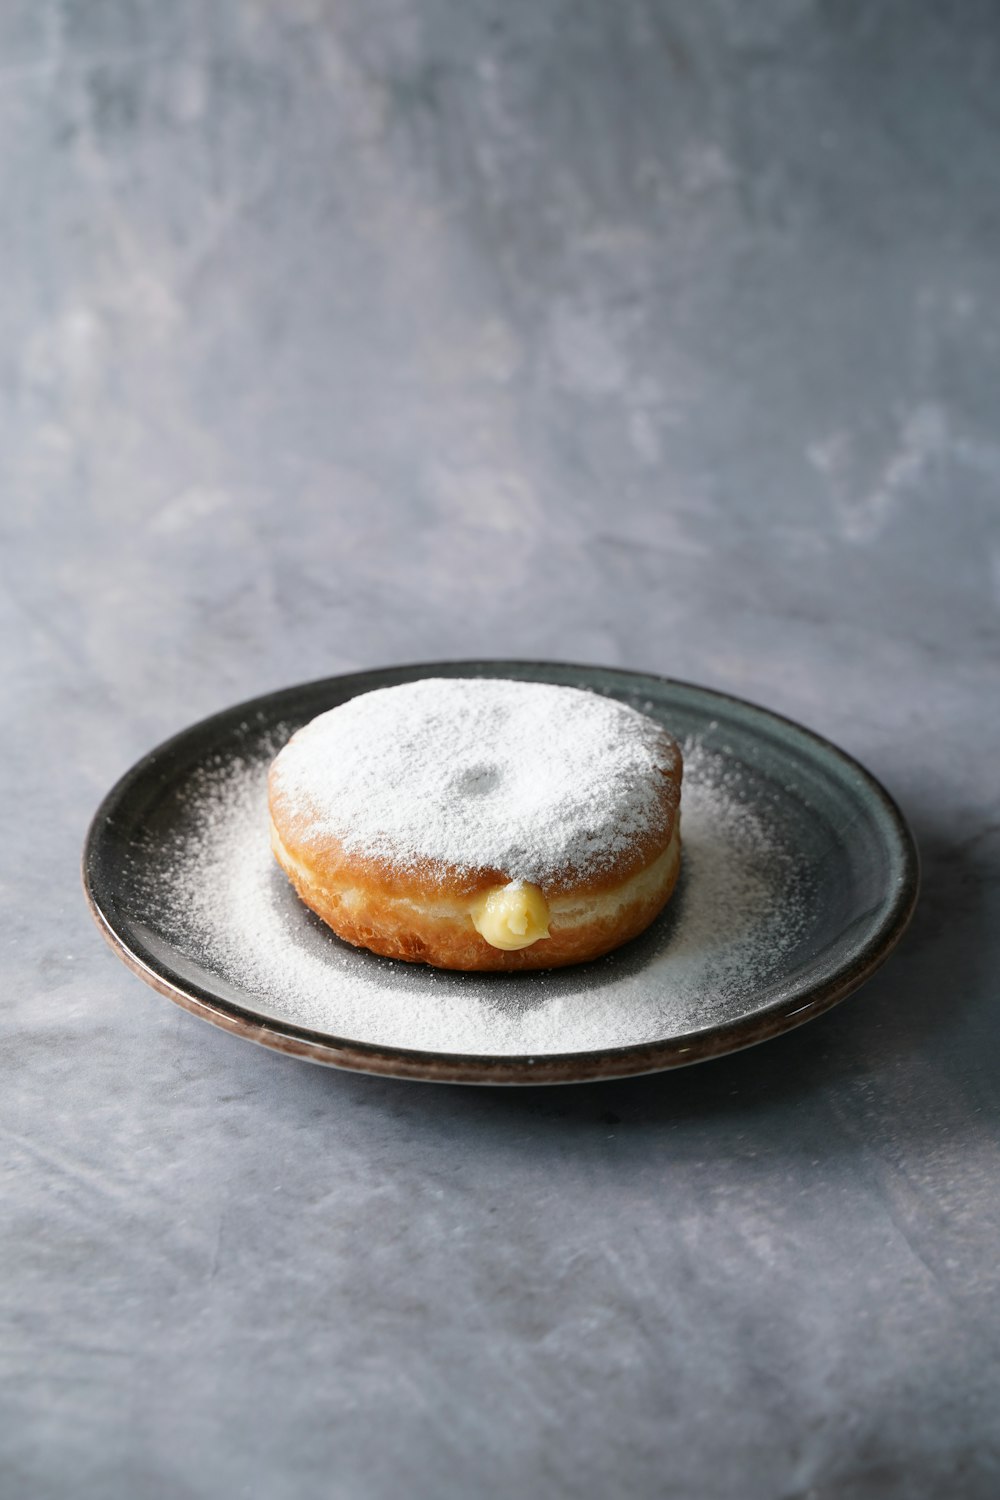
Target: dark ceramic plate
column 799, row 877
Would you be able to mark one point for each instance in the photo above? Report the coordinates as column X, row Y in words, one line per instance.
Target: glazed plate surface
column 799, row 876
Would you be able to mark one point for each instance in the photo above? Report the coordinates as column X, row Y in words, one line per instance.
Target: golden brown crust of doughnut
column 441, row 933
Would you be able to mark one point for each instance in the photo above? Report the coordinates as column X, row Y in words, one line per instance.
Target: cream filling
column 564, row 912
column 512, row 916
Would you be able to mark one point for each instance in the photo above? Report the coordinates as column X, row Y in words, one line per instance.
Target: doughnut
column 480, row 823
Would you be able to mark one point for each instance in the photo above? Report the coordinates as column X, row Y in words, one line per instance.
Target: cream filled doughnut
column 480, row 823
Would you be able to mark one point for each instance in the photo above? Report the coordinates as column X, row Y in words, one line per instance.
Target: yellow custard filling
column 512, row 916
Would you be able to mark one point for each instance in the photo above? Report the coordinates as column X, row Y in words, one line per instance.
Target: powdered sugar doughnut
column 479, row 823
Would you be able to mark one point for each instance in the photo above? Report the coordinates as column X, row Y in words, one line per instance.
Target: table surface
column 342, row 334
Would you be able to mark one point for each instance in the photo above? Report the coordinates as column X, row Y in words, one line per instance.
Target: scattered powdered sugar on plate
column 739, row 910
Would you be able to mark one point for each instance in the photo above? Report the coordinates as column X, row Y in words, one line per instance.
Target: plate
column 799, row 876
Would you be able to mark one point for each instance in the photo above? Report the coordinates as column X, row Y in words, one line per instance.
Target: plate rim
column 496, row 1068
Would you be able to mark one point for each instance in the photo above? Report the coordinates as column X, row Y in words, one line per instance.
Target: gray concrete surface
column 338, row 334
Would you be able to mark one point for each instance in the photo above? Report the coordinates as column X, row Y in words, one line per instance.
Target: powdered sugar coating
column 527, row 779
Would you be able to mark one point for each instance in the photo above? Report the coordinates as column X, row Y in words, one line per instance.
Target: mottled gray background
column 338, row 334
